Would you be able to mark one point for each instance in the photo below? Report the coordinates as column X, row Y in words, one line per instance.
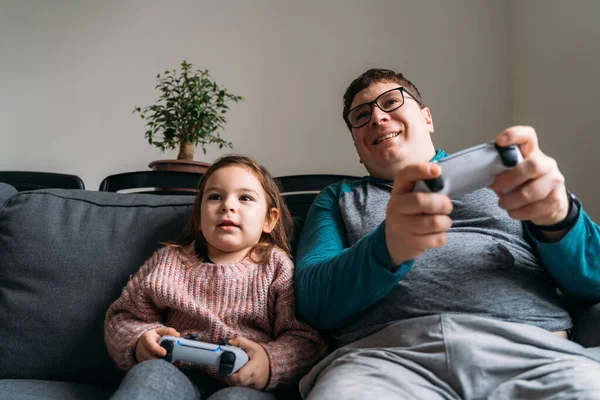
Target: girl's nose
column 227, row 206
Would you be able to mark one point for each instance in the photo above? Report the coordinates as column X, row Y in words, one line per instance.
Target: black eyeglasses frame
column 402, row 89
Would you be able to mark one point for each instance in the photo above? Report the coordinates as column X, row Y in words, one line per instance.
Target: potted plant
column 189, row 112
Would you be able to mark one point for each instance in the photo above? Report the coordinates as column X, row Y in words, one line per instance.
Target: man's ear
column 428, row 119
column 271, row 220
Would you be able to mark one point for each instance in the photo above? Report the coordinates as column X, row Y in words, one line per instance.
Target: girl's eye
column 245, row 197
column 214, row 196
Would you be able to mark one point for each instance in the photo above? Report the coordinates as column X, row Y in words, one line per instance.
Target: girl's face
column 234, row 214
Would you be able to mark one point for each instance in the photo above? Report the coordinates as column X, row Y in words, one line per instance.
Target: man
column 432, row 298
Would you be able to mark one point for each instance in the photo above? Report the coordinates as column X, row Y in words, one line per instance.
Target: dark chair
column 310, row 182
column 299, row 192
column 30, row 180
column 153, row 182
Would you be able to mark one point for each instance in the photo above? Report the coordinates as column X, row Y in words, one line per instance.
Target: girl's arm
column 130, row 316
column 297, row 346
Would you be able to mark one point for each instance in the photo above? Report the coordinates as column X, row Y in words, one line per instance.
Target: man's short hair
column 376, row 75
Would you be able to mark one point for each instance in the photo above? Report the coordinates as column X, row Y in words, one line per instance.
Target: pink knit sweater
column 216, row 302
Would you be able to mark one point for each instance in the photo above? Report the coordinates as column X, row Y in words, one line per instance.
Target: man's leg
column 155, row 379
column 567, row 378
column 378, row 374
column 503, row 360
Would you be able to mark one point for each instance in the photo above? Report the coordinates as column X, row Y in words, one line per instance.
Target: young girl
column 228, row 279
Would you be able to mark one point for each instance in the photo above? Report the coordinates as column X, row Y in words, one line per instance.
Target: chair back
column 153, row 182
column 299, row 192
column 32, row 180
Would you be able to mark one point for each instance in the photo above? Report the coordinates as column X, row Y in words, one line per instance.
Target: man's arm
column 573, row 261
column 334, row 281
column 535, row 191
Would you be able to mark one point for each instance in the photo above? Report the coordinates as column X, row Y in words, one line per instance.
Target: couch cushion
column 30, row 389
column 65, row 255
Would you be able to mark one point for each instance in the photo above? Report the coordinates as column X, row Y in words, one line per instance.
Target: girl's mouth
column 227, row 224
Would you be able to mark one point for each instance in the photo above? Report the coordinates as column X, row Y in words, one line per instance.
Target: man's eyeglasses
column 388, row 101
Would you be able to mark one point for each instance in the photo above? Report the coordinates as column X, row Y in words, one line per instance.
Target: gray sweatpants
column 455, row 356
column 158, row 380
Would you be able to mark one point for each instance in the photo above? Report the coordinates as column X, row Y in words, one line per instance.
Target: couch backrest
column 65, row 256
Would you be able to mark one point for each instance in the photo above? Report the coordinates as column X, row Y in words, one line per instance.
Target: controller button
column 226, row 363
column 227, row 357
column 192, row 336
column 508, row 155
column 509, row 158
column 435, row 185
column 168, row 346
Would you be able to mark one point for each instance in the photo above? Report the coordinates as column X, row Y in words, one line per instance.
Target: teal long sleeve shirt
column 335, row 281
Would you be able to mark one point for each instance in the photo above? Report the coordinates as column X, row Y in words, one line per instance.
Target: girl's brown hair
column 278, row 237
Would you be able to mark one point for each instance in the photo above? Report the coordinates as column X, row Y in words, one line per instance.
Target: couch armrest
column 6, row 191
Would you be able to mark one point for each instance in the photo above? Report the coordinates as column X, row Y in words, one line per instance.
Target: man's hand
column 540, row 195
column 147, row 347
column 256, row 372
column 415, row 222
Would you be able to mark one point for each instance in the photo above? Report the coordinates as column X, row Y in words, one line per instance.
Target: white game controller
column 227, row 359
column 471, row 169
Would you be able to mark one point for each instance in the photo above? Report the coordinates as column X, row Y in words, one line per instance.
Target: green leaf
column 191, row 106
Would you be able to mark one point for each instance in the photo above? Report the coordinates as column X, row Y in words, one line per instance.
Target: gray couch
column 64, row 257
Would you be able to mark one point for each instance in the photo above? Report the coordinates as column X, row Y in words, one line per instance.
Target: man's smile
column 386, row 137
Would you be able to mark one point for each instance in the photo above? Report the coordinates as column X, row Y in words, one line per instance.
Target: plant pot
column 179, row 165
column 196, row 167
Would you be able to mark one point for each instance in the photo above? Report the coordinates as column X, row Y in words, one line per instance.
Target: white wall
column 72, row 71
column 556, row 86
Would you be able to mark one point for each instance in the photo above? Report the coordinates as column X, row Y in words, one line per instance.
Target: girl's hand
column 147, row 347
column 256, row 372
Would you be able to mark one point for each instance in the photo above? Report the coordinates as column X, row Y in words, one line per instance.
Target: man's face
column 391, row 140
